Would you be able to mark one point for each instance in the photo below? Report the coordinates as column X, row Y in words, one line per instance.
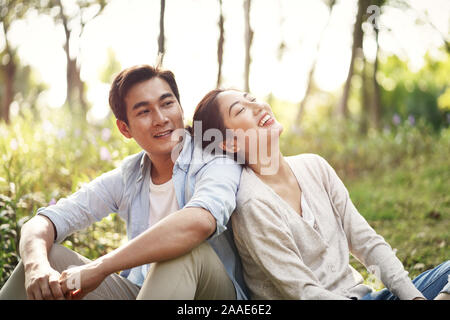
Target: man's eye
column 142, row 112
column 168, row 103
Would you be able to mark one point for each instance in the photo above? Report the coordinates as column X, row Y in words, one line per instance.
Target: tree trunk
column 248, row 44
column 365, row 99
column 8, row 96
column 161, row 38
column 69, row 62
column 75, row 86
column 377, row 107
column 220, row 46
column 357, row 45
column 310, row 81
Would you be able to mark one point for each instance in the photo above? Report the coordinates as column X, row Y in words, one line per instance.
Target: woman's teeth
column 264, row 120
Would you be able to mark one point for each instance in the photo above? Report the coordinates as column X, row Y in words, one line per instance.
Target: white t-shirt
column 163, row 201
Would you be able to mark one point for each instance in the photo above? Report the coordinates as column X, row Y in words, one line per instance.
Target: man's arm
column 175, row 235
column 204, row 216
column 41, row 280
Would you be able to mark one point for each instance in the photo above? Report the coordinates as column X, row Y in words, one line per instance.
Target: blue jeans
column 430, row 283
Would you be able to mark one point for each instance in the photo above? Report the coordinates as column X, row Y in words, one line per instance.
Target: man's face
column 153, row 114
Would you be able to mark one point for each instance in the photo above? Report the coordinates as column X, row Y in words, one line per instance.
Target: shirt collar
column 185, row 156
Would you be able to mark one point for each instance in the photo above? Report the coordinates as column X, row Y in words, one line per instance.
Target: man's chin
column 164, row 149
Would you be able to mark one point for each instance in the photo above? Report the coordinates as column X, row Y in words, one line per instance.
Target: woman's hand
column 77, row 282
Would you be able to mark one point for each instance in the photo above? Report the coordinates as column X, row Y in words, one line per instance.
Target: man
column 171, row 198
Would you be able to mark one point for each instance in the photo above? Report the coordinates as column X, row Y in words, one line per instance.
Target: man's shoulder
column 128, row 168
column 202, row 159
column 132, row 162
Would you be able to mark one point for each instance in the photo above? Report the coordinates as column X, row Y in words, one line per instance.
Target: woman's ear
column 230, row 145
column 123, row 128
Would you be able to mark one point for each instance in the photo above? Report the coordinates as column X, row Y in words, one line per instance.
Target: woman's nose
column 257, row 107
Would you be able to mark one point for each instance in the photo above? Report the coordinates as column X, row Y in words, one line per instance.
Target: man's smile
column 163, row 134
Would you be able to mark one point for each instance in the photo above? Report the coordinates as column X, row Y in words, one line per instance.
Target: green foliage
column 8, row 237
column 44, row 161
column 422, row 94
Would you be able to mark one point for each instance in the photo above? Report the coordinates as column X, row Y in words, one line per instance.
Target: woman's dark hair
column 127, row 78
column 208, row 116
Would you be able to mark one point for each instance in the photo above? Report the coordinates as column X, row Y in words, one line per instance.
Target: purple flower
column 52, row 202
column 411, row 119
column 106, row 134
column 61, row 134
column 396, row 119
column 14, row 144
column 104, row 154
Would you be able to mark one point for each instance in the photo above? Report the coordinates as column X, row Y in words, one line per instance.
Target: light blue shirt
column 200, row 180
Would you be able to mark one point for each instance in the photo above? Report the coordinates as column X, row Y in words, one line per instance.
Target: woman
column 294, row 224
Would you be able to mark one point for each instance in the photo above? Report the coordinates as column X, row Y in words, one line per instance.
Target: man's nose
column 159, row 118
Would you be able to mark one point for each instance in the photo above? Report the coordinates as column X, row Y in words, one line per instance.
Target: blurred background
column 365, row 84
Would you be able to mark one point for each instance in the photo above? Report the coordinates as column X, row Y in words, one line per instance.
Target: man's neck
column 161, row 169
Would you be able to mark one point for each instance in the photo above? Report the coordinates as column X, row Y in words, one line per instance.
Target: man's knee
column 56, row 252
column 195, row 256
column 61, row 258
column 198, row 274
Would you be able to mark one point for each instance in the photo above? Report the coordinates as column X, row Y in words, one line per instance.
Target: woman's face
column 244, row 115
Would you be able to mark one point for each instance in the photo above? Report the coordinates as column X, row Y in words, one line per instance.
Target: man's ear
column 229, row 145
column 123, row 128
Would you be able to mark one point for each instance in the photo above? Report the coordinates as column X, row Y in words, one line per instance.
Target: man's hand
column 41, row 283
column 82, row 279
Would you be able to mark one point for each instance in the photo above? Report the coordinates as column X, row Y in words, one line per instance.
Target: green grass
column 410, row 207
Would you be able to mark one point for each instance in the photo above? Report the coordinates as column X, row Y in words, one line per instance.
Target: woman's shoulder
column 309, row 161
column 250, row 187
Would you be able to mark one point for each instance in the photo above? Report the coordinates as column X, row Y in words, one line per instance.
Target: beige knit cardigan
column 285, row 258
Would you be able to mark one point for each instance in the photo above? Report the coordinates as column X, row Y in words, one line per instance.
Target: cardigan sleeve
column 263, row 234
column 364, row 243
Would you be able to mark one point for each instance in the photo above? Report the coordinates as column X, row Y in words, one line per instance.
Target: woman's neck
column 271, row 169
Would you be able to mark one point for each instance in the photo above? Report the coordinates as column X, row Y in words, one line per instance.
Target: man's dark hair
column 127, row 78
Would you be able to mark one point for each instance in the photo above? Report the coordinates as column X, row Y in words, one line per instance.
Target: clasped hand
column 45, row 283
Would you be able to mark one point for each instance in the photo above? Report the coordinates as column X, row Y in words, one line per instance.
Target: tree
column 161, row 38
column 342, row 108
column 220, row 45
column 10, row 10
column 248, row 44
column 74, row 16
column 376, row 106
column 371, row 108
column 301, row 109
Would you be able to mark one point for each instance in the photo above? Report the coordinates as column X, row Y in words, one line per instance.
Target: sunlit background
column 127, row 31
